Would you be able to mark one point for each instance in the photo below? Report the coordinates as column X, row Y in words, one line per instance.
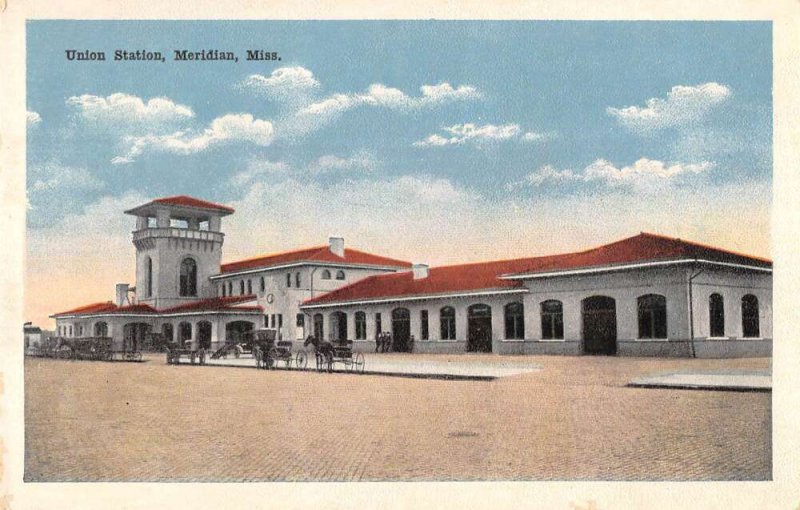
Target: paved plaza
column 557, row 418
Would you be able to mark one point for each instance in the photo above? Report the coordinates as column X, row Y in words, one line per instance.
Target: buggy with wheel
column 340, row 351
column 269, row 350
column 189, row 350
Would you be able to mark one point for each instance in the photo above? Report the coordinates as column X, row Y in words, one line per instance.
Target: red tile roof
column 485, row 275
column 315, row 254
column 187, row 201
column 107, row 307
column 207, row 305
column 214, row 304
column 92, row 308
column 643, row 247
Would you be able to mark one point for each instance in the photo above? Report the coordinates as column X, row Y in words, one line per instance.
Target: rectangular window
column 301, row 320
column 447, row 323
column 203, row 225
column 176, row 223
column 552, row 320
column 266, row 321
column 361, row 326
column 280, row 320
column 263, row 284
column 151, row 222
column 423, row 324
column 272, row 321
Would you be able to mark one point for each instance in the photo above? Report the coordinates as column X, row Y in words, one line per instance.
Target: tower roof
column 183, row 202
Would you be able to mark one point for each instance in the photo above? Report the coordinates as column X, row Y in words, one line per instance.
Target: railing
column 178, row 233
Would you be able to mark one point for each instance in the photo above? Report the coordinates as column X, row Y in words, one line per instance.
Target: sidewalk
column 732, row 381
column 404, row 367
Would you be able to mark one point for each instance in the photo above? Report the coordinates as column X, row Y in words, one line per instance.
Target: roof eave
column 417, row 297
column 622, row 267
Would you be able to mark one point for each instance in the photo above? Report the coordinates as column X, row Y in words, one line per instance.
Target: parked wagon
column 189, row 350
column 328, row 353
column 269, row 350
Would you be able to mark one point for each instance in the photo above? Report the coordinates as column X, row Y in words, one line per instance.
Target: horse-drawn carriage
column 96, row 348
column 341, row 351
column 268, row 351
column 189, row 349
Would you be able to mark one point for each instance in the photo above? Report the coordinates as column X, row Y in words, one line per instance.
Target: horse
column 322, row 350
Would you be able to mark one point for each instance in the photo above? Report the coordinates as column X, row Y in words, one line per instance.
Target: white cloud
column 318, row 113
column 460, row 134
column 259, row 169
column 684, row 106
column 232, row 127
column 362, row 161
column 642, row 169
column 422, row 218
column 52, row 189
column 643, row 175
column 33, row 118
column 129, row 113
column 284, row 83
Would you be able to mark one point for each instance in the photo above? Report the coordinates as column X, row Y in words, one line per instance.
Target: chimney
column 336, row 246
column 420, row 271
column 122, row 294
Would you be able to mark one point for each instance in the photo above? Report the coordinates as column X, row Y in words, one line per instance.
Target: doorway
column 401, row 330
column 479, row 328
column 599, row 325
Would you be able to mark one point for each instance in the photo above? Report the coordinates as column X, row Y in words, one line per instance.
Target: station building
column 647, row 295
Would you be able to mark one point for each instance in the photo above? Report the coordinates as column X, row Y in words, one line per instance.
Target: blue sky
column 434, row 141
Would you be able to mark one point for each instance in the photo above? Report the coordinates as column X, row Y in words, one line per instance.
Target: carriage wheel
column 301, row 360
column 272, row 357
column 358, row 363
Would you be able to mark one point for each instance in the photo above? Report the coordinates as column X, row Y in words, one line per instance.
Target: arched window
column 224, row 289
column 263, row 284
column 148, row 279
column 101, row 329
column 652, row 316
column 326, row 275
column 750, row 325
column 249, row 286
column 361, row 326
column 515, row 321
column 447, row 323
column 340, row 275
column 716, row 316
column 297, row 279
column 188, row 279
column 241, row 287
column 552, row 320
column 288, row 279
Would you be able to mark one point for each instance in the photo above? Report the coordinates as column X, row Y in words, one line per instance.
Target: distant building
column 33, row 336
column 646, row 295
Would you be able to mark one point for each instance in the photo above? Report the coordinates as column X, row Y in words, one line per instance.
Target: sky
column 431, row 141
